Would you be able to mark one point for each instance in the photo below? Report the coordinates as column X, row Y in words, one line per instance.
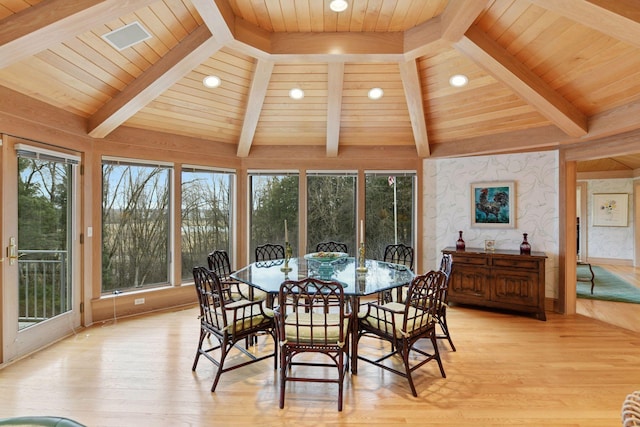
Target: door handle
column 12, row 251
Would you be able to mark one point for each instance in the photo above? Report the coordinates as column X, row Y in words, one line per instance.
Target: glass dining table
column 379, row 276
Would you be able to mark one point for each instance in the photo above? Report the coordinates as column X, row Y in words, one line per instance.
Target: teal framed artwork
column 493, row 204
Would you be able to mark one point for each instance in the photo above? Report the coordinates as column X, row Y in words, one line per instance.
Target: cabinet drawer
column 469, row 260
column 516, row 263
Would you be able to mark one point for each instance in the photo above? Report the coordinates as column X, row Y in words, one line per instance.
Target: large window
column 390, row 211
column 135, row 225
column 274, row 199
column 206, row 216
column 331, row 209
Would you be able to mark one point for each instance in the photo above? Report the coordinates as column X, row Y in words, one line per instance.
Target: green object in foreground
column 608, row 286
column 40, row 421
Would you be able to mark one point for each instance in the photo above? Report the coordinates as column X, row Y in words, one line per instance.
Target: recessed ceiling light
column 211, row 81
column 458, row 80
column 375, row 93
column 338, row 5
column 296, row 93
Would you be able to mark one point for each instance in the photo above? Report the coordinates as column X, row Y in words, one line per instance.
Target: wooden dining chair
column 631, row 410
column 229, row 322
column 219, row 263
column 397, row 254
column 313, row 317
column 269, row 252
column 446, row 263
column 403, row 325
column 332, row 246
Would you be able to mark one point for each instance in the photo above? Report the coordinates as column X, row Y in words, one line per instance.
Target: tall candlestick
column 361, row 231
column 286, row 233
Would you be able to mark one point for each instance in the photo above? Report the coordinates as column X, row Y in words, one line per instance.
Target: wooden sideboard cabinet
column 500, row 279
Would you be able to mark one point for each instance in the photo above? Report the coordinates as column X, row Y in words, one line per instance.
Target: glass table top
column 380, row 275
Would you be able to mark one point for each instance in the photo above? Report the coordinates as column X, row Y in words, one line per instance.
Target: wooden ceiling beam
column 541, row 138
column 295, row 47
column 458, row 16
column 334, row 106
column 257, row 94
column 218, row 17
column 339, row 46
column 413, row 95
column 618, row 124
column 339, row 43
column 178, row 62
column 419, row 40
column 51, row 22
column 532, row 89
column 619, row 19
column 616, row 145
column 619, row 120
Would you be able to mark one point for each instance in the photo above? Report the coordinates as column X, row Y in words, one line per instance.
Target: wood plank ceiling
column 542, row 73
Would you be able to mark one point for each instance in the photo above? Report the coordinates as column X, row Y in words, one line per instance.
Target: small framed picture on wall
column 493, row 204
column 611, row 210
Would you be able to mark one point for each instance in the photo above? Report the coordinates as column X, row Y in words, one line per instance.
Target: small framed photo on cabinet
column 489, row 245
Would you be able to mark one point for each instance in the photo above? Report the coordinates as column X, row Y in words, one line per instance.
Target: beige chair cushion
column 382, row 320
column 245, row 291
column 248, row 318
column 332, row 332
column 258, row 295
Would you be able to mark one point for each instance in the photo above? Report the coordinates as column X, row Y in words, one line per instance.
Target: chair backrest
column 631, row 410
column 332, row 246
column 269, row 251
column 312, row 312
column 212, row 297
column 219, row 263
column 399, row 254
column 424, row 301
column 445, row 264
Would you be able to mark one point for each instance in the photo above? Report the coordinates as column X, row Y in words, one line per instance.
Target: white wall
column 610, row 242
column 447, row 209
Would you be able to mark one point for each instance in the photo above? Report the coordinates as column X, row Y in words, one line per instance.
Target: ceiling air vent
column 127, row 36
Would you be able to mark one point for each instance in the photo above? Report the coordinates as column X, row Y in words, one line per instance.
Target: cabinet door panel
column 468, row 284
column 515, row 287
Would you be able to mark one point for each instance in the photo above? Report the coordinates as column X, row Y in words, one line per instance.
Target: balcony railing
column 44, row 290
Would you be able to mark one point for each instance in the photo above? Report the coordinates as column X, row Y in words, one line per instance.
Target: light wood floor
column 621, row 314
column 509, row 370
column 628, row 273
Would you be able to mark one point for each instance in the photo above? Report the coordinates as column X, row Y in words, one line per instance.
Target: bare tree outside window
column 44, row 238
column 274, row 199
column 206, row 217
column 135, row 226
column 389, row 211
column 331, row 210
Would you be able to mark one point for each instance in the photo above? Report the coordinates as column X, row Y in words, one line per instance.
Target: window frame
column 414, row 202
column 351, row 173
column 170, row 264
column 232, row 237
column 293, row 224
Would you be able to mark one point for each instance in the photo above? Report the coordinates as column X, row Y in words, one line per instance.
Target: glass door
column 40, row 301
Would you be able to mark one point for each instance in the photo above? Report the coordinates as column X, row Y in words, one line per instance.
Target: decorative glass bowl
column 326, row 260
column 325, row 256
